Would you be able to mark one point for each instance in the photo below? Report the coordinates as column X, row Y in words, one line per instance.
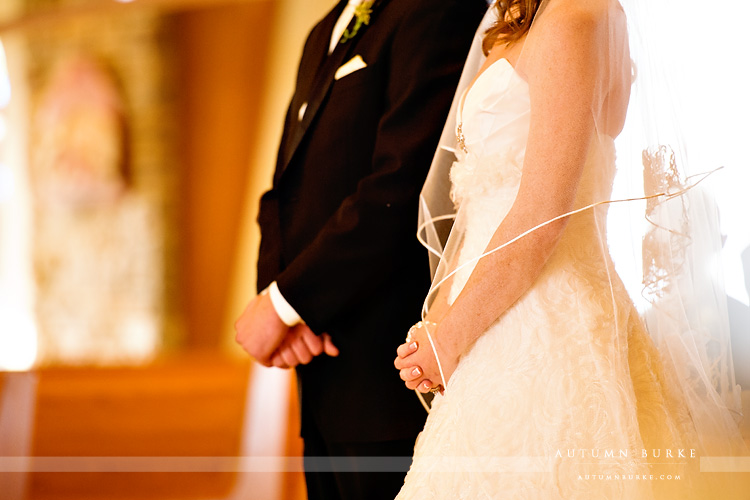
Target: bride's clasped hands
column 417, row 363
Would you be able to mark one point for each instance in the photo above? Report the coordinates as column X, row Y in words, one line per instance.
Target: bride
column 548, row 384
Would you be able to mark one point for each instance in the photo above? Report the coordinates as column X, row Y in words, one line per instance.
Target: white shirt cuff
column 286, row 312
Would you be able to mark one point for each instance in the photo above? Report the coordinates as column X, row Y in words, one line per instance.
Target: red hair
column 514, row 20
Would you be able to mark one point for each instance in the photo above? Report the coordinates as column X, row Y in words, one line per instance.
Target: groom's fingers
column 313, row 342
column 287, row 355
column 278, row 362
column 299, row 345
column 301, row 351
column 328, row 346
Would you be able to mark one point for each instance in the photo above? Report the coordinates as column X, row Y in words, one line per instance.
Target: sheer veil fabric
column 659, row 374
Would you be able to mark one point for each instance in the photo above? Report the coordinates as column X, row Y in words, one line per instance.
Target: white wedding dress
column 561, row 396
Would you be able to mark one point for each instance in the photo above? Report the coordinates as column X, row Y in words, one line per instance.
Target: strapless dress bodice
column 492, row 129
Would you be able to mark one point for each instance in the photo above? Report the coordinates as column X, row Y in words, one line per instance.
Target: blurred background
column 135, row 140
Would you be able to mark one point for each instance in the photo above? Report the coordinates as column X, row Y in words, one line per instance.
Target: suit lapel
column 319, row 48
column 323, row 81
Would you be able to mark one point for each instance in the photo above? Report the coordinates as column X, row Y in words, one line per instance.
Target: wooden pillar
column 222, row 51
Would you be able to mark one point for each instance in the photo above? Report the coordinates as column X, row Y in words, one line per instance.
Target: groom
column 340, row 267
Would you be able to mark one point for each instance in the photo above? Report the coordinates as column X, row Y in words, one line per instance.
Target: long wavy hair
column 514, row 20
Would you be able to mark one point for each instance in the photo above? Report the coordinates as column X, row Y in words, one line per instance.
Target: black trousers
column 355, row 471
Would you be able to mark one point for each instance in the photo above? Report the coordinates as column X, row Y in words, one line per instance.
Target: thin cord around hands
column 664, row 194
column 434, row 351
column 420, row 324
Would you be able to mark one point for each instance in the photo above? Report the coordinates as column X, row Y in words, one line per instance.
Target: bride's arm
column 562, row 67
column 436, row 304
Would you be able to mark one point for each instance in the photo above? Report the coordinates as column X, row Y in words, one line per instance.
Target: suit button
column 301, row 112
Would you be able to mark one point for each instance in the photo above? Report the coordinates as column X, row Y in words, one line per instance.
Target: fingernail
column 416, row 372
column 413, row 345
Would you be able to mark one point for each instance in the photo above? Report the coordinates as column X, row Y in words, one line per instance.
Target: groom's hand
column 300, row 346
column 259, row 329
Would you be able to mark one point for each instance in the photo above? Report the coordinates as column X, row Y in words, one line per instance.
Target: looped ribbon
column 690, row 182
column 424, row 324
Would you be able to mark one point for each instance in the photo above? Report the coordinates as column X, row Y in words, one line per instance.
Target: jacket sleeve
column 378, row 221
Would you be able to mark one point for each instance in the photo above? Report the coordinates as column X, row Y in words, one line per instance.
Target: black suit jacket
column 338, row 227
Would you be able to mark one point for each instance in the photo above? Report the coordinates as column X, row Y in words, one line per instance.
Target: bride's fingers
column 401, row 363
column 403, row 351
column 410, row 374
column 406, row 349
column 418, row 384
column 424, row 386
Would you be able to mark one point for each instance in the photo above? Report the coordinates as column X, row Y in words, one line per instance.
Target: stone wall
column 104, row 174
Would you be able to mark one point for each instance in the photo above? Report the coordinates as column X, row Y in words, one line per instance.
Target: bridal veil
column 663, row 224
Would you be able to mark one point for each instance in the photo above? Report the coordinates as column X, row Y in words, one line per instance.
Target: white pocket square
column 354, row 64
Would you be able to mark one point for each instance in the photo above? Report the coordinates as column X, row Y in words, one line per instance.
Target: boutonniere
column 362, row 16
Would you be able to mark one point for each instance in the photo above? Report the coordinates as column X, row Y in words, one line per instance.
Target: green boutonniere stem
column 362, row 15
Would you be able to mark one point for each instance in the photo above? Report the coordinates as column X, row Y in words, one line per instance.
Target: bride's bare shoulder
column 579, row 21
column 582, row 13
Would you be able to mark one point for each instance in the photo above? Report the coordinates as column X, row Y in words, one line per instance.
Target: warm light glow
column 4, row 80
column 716, row 84
column 3, row 128
column 713, row 87
column 18, row 335
column 7, row 184
column 17, row 340
column 6, row 175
